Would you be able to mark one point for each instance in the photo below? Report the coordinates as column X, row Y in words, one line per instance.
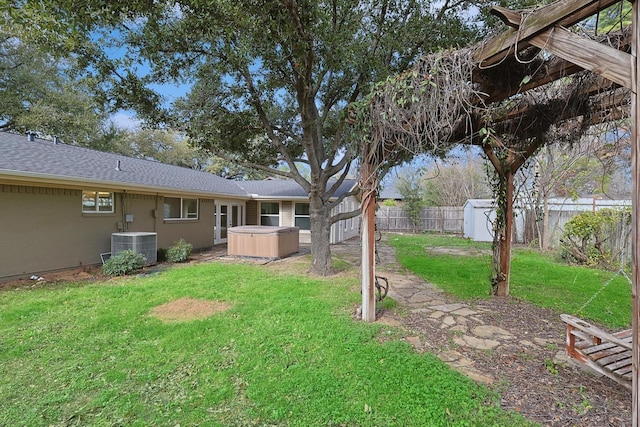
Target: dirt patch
column 74, row 275
column 187, row 309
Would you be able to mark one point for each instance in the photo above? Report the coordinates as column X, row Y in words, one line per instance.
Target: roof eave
column 50, row 180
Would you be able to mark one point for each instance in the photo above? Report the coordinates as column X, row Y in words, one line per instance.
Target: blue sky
column 126, row 119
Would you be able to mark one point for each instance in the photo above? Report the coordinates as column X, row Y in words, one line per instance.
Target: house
column 285, row 203
column 60, row 204
column 390, row 193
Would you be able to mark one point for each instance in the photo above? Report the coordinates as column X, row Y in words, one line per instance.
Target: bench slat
column 595, row 331
column 604, row 352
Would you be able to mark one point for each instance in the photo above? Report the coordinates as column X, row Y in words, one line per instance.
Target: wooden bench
column 605, row 353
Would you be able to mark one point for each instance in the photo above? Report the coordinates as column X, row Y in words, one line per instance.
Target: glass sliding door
column 228, row 214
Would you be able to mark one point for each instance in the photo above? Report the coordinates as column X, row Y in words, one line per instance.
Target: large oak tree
column 270, row 78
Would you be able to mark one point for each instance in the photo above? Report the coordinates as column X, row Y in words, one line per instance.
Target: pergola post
column 635, row 170
column 501, row 288
column 368, row 240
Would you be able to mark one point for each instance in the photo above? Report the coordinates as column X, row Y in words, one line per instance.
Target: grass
column 535, row 277
column 287, row 352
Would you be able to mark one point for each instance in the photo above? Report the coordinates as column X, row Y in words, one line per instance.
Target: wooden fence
column 439, row 219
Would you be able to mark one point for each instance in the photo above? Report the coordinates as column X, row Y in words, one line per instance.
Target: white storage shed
column 479, row 215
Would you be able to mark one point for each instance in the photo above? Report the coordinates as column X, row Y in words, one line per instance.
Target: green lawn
column 535, row 277
column 286, row 352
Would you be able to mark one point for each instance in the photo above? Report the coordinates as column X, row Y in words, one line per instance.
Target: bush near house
column 124, row 263
column 162, row 254
column 180, row 251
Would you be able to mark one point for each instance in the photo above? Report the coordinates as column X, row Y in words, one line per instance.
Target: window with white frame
column 180, row 208
column 302, row 219
column 97, row 202
column 270, row 213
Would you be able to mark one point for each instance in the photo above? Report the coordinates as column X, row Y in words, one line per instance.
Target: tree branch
column 262, row 115
column 345, row 215
column 256, row 166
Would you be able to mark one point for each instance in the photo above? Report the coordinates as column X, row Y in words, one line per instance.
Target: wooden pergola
column 546, row 28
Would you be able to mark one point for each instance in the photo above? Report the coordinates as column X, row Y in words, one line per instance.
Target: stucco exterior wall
column 141, row 206
column 44, row 229
column 286, row 213
column 198, row 232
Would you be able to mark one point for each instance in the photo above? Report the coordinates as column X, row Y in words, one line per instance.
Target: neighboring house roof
column 390, row 193
column 47, row 162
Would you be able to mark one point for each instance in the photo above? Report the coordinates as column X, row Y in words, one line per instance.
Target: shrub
column 123, row 263
column 180, row 251
column 596, row 238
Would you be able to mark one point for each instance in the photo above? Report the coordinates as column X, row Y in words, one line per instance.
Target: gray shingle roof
column 390, row 193
column 45, row 160
column 62, row 161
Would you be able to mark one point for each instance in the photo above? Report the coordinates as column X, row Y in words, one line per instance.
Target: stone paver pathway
column 463, row 322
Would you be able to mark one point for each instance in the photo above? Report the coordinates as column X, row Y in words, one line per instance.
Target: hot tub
column 263, row 241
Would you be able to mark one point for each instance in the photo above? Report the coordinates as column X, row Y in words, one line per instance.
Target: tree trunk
column 321, row 264
column 502, row 236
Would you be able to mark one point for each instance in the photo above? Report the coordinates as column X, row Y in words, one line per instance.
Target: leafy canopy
column 42, row 93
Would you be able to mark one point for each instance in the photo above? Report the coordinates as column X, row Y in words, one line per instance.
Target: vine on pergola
column 411, row 113
column 509, row 110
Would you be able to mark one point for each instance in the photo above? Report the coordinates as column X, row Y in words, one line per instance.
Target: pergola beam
column 610, row 63
column 564, row 13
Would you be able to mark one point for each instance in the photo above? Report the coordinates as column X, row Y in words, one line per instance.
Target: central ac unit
column 142, row 242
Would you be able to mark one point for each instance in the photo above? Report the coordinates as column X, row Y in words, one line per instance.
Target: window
column 301, row 215
column 97, row 202
column 179, row 208
column 270, row 213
